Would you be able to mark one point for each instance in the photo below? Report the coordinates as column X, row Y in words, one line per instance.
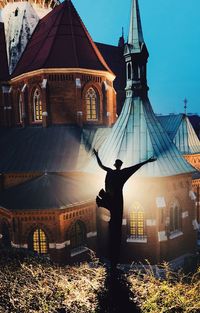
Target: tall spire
column 136, row 56
column 135, row 38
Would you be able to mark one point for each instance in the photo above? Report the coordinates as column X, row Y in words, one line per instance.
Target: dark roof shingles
column 61, row 40
column 37, row 149
column 49, row 191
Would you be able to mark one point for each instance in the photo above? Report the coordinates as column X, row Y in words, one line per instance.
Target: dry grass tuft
column 174, row 293
column 32, row 285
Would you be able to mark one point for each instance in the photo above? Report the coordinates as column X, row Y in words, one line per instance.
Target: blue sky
column 172, row 33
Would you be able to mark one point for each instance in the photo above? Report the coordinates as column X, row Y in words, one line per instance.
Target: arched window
column 129, row 71
column 39, row 241
column 92, row 103
column 77, row 235
column 16, row 12
column 137, row 221
column 20, row 108
column 175, row 216
column 37, row 106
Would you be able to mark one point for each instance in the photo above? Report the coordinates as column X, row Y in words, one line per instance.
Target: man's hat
column 118, row 163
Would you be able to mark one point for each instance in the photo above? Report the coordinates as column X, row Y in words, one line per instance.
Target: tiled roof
column 37, row 149
column 136, row 136
column 4, row 75
column 181, row 131
column 195, row 121
column 48, row 191
column 115, row 59
column 61, row 40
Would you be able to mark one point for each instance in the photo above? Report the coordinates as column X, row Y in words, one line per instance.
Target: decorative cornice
column 106, row 74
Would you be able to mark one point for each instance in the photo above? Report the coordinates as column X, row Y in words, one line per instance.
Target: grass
column 174, row 293
column 30, row 284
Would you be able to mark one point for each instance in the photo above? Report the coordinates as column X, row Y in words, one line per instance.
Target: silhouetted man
column 112, row 199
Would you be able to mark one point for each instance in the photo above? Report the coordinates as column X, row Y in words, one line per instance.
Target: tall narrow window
column 137, row 221
column 37, row 106
column 129, row 71
column 77, row 235
column 20, row 108
column 40, row 244
column 91, row 99
column 175, row 216
column 16, row 12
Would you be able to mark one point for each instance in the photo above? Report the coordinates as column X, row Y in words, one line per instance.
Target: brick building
column 60, row 101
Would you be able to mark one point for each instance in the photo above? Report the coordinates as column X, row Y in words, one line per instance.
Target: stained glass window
column 137, row 221
column 77, row 235
column 40, row 241
column 91, row 100
column 37, row 106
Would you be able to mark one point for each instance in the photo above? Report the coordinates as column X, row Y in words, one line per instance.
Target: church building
column 60, row 96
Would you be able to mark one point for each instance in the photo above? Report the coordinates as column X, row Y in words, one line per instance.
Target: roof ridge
column 96, row 50
column 29, row 42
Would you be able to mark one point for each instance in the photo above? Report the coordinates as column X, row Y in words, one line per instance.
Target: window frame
column 137, row 229
column 37, row 102
column 41, row 250
column 175, row 220
column 92, row 104
column 77, row 235
column 20, row 108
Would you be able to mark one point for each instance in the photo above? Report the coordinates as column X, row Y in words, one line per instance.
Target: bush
column 31, row 284
column 174, row 293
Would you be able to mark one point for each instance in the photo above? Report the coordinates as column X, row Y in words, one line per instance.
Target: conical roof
column 61, row 40
column 4, row 74
column 181, row 131
column 136, row 136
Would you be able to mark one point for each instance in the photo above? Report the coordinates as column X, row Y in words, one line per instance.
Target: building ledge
column 175, row 234
column 136, row 240
column 78, row 250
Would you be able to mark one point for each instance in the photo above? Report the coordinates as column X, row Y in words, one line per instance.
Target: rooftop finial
column 185, row 105
column 121, row 39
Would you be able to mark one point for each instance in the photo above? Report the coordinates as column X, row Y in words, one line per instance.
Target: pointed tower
column 159, row 214
column 20, row 18
column 136, row 56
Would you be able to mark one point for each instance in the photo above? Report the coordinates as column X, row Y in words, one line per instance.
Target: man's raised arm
column 128, row 171
column 99, row 161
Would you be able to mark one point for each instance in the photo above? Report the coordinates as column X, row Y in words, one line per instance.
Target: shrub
column 29, row 284
column 174, row 293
